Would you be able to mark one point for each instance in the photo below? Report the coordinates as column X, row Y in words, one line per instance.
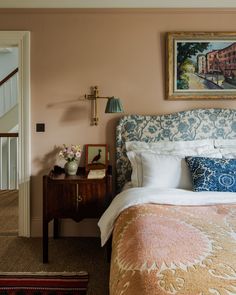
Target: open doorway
column 9, row 131
column 21, row 41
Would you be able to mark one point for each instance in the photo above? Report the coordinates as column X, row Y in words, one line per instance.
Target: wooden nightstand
column 75, row 197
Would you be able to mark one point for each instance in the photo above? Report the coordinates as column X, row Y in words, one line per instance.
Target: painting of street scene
column 205, row 65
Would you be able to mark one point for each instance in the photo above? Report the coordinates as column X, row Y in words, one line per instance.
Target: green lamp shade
column 114, row 105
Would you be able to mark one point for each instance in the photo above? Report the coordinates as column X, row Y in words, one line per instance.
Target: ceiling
column 117, row 4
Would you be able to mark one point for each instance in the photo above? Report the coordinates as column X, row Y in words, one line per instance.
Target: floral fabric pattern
column 181, row 250
column 186, row 125
column 210, row 174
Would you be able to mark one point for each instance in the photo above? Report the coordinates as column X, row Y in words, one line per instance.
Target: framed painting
column 96, row 156
column 201, row 65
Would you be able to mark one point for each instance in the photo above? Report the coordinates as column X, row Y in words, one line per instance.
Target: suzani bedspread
column 173, row 249
column 161, row 249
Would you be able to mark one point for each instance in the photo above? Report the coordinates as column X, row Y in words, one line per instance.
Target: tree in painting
column 185, row 51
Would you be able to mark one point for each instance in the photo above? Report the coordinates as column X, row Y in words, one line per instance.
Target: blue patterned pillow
column 212, row 174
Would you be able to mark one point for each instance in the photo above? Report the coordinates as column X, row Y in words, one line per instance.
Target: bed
column 173, row 222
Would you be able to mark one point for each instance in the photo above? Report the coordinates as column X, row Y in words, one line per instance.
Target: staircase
column 8, row 101
column 8, row 131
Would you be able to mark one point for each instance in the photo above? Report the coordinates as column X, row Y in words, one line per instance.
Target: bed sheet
column 167, row 196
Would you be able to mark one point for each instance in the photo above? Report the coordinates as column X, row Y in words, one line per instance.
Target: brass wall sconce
column 113, row 104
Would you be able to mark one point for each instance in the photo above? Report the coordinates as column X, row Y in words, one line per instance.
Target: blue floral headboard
column 185, row 125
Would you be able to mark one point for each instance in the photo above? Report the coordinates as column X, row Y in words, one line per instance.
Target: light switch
column 40, row 127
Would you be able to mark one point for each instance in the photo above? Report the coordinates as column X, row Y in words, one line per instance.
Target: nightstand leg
column 45, row 242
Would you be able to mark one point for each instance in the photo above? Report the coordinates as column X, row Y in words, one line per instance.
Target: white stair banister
column 8, row 92
column 9, row 161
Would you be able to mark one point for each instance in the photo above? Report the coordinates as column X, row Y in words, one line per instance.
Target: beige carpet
column 8, row 212
column 65, row 254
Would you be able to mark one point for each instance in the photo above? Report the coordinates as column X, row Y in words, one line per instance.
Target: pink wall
column 123, row 52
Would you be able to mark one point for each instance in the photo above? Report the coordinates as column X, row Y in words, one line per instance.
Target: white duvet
column 141, row 195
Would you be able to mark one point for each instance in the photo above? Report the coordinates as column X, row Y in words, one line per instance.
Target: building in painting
column 201, row 62
column 227, row 57
column 221, row 61
column 212, row 62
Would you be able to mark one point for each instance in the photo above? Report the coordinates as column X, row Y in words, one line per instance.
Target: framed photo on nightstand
column 96, row 156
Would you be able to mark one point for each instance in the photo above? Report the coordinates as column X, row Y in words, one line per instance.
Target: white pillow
column 169, row 145
column 136, row 164
column 136, row 161
column 165, row 171
column 222, row 143
column 183, row 148
column 227, row 147
column 228, row 152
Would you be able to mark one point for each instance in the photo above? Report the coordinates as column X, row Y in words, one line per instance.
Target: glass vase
column 71, row 167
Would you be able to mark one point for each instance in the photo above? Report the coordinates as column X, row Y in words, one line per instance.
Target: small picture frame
column 96, row 156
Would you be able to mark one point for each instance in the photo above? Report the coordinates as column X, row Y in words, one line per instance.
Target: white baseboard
column 68, row 228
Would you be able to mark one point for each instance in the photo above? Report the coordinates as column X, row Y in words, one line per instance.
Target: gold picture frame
column 201, row 65
column 96, row 156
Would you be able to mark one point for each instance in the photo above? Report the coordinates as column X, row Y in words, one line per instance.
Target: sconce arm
column 92, row 97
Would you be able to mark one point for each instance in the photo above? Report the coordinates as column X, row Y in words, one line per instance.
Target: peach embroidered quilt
column 180, row 250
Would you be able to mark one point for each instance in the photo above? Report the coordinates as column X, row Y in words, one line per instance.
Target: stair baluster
column 9, row 167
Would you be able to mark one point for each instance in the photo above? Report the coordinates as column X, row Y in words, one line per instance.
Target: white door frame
column 21, row 39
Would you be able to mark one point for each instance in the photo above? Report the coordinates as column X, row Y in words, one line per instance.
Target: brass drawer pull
column 78, row 197
column 78, row 200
